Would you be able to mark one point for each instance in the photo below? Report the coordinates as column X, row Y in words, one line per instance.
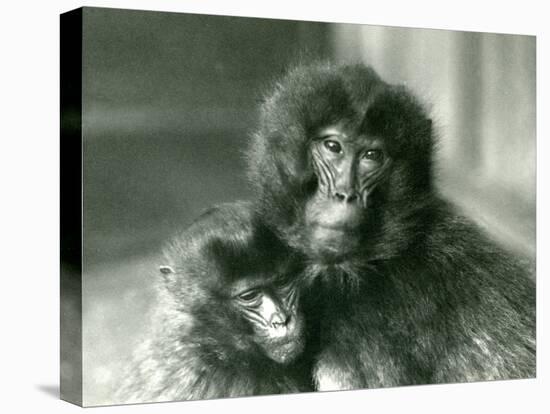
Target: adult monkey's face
column 342, row 164
column 348, row 165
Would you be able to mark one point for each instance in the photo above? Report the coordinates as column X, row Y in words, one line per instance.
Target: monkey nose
column 348, row 196
column 279, row 320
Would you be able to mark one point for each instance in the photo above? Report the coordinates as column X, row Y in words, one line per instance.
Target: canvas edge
column 71, row 206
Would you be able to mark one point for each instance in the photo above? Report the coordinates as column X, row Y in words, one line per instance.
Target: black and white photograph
column 290, row 209
column 354, row 211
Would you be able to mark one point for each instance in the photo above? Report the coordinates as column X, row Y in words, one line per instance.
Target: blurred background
column 170, row 99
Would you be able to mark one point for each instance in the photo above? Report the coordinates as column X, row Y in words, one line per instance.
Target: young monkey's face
column 264, row 310
column 271, row 308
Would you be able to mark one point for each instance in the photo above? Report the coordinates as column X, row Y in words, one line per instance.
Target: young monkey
column 228, row 321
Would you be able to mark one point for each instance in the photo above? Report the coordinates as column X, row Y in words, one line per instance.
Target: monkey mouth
column 285, row 347
column 340, row 222
column 338, row 227
column 286, row 341
column 333, row 233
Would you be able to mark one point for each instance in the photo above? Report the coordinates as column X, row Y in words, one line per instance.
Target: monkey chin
column 286, row 352
column 332, row 245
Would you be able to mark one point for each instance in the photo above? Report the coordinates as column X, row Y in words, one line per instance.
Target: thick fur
column 199, row 347
column 428, row 298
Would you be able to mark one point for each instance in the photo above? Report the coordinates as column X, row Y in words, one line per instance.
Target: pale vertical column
column 508, row 130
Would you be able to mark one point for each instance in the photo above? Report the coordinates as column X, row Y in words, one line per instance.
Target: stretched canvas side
column 71, row 206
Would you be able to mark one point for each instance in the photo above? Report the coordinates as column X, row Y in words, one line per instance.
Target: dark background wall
column 169, row 101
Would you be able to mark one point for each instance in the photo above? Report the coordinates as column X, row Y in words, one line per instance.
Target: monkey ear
column 427, row 126
column 165, row 270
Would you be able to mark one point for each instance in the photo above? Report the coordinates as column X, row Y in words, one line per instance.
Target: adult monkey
column 406, row 291
column 228, row 321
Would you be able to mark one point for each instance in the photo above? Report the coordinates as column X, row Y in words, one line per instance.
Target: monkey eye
column 332, row 146
column 282, row 285
column 373, row 155
column 250, row 295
